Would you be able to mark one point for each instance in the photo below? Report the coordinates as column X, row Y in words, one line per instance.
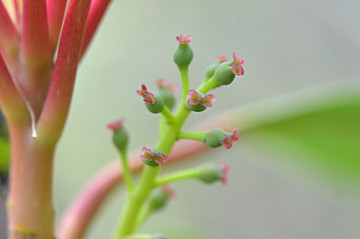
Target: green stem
column 195, row 135
column 178, row 176
column 141, row 192
column 143, row 215
column 127, row 171
column 208, row 85
column 168, row 115
column 184, row 73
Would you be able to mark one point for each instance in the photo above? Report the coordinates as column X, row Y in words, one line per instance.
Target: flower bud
column 183, row 54
column 166, row 91
column 224, row 74
column 157, row 106
column 159, row 198
column 217, row 137
column 153, row 157
column 211, row 173
column 197, row 101
column 120, row 136
column 214, row 138
column 210, row 71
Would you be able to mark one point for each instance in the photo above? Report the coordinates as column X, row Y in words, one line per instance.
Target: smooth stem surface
column 178, row 176
column 168, row 115
column 30, row 210
column 208, row 85
column 184, row 74
column 127, row 172
column 143, row 215
column 195, row 135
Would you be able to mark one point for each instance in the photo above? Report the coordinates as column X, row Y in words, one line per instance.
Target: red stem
column 10, row 100
column 35, row 46
column 57, row 104
column 55, row 10
column 30, row 211
column 9, row 38
column 97, row 10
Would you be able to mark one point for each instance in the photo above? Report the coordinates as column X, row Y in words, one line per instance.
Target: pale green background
column 287, row 45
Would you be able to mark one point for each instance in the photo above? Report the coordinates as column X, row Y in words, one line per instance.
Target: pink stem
column 10, row 100
column 97, row 10
column 57, row 104
column 83, row 209
column 29, row 204
column 55, row 10
column 35, row 46
column 9, row 38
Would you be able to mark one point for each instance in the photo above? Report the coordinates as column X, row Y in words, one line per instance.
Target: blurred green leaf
column 318, row 132
column 4, row 145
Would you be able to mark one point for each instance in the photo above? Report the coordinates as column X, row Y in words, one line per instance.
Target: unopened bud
column 217, row 137
column 211, row 173
column 159, row 198
column 197, row 101
column 183, row 54
column 224, row 74
column 153, row 157
column 157, row 106
column 120, row 136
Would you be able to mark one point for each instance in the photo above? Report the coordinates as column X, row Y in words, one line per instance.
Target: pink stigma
column 115, row 125
column 183, row 39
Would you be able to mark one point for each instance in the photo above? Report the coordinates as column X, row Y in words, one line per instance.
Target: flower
column 225, row 175
column 222, row 59
column 236, row 67
column 115, row 125
column 183, row 40
column 228, row 141
column 153, row 155
column 196, row 99
column 162, row 84
column 148, row 97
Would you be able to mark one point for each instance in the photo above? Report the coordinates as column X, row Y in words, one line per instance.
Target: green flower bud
column 168, row 97
column 210, row 173
column 210, row 71
column 120, row 136
column 224, row 74
column 157, row 106
column 153, row 157
column 183, row 55
column 158, row 199
column 214, row 138
column 194, row 107
column 197, row 101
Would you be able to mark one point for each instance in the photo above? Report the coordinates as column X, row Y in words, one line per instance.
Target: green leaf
column 4, row 146
column 316, row 131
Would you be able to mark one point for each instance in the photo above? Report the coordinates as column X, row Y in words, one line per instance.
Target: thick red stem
column 35, row 47
column 9, row 38
column 54, row 114
column 30, row 211
column 11, row 101
column 55, row 10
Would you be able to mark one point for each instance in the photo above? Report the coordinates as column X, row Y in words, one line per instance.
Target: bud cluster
column 218, row 74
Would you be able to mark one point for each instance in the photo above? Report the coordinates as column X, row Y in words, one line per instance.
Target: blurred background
column 287, row 46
